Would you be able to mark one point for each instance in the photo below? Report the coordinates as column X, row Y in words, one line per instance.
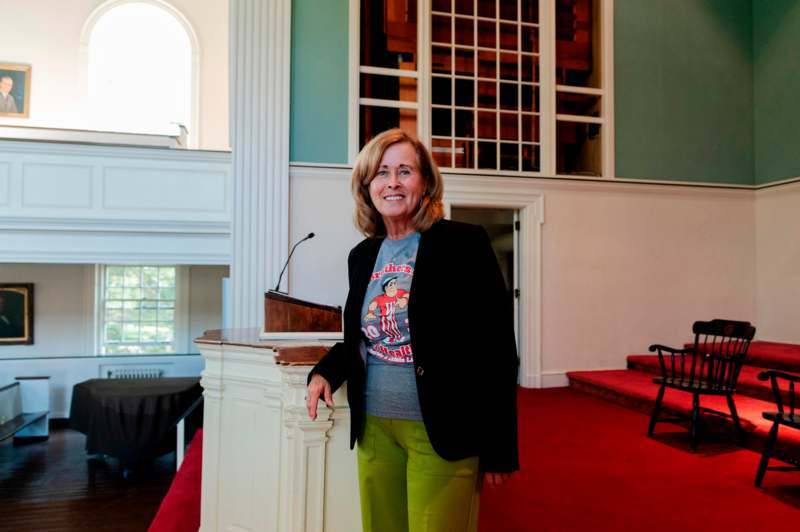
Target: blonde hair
column 367, row 218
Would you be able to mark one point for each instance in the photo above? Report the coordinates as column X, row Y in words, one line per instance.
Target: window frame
column 180, row 341
column 193, row 137
column 547, row 86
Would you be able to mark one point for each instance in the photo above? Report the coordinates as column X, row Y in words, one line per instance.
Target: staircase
column 634, row 388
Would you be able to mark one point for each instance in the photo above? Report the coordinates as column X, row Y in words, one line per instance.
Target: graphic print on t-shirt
column 385, row 312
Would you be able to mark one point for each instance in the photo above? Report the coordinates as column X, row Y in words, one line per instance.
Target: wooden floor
column 52, row 486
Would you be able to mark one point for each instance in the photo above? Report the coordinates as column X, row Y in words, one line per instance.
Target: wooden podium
column 286, row 317
column 266, row 465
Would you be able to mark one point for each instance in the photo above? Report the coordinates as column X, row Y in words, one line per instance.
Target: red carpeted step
column 748, row 384
column 774, row 355
column 637, row 390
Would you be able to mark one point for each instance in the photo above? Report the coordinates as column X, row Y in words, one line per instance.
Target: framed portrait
column 15, row 90
column 16, row 313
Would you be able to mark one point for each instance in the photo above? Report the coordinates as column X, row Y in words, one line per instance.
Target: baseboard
column 554, row 379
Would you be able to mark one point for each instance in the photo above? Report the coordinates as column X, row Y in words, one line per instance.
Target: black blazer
column 462, row 335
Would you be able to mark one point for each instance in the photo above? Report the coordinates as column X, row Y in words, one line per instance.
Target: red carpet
column 180, row 509
column 587, row 464
column 634, row 388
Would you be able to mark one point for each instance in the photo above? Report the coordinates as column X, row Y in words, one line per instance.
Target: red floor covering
column 587, row 464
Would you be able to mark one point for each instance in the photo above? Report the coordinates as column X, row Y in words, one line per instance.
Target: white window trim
column 95, row 280
column 548, row 116
column 194, row 136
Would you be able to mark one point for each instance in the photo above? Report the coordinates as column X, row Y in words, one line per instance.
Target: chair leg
column 765, row 456
column 656, row 410
column 694, row 428
column 736, row 421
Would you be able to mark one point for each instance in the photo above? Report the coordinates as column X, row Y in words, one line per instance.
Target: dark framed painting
column 16, row 313
column 15, row 90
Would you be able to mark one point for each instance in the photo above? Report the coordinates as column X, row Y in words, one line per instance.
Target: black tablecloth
column 131, row 419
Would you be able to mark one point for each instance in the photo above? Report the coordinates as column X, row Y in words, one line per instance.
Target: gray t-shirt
column 391, row 389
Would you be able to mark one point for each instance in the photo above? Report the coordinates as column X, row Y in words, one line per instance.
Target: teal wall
column 705, row 90
column 319, row 81
column 776, row 56
column 683, row 90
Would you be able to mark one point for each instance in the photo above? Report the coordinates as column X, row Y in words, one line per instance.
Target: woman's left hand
column 496, row 479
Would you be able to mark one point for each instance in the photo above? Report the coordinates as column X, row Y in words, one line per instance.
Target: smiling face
column 397, row 188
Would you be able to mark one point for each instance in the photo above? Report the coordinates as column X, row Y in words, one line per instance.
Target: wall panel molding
column 77, row 203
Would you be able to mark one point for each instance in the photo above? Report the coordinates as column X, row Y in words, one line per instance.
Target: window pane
column 487, row 31
column 442, row 124
column 530, row 128
column 113, row 332
column 569, row 103
column 464, row 154
column 115, row 276
column 148, row 314
column 486, row 8
column 389, row 34
column 130, row 332
column 442, row 5
column 149, row 330
column 465, row 93
column 465, row 123
column 465, row 62
column 441, row 60
column 530, row 158
column 577, row 60
column 388, row 88
column 487, row 155
column 487, row 94
column 508, row 126
column 578, row 148
column 441, row 29
column 442, row 150
column 149, row 276
column 465, row 31
column 464, row 7
column 374, row 120
column 509, row 156
column 133, row 276
column 530, row 11
column 508, row 10
column 440, row 91
column 166, row 277
column 487, row 125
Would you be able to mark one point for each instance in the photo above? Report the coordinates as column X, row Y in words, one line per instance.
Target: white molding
column 547, row 78
column 91, row 256
column 782, row 182
column 260, row 58
column 353, row 86
column 91, row 305
column 182, row 342
column 340, row 171
column 607, row 77
column 144, row 153
column 83, row 59
column 476, row 192
column 113, row 225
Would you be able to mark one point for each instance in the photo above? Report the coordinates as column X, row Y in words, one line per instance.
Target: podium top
column 306, row 352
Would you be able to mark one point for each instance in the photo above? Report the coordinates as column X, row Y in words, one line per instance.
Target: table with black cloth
column 131, row 419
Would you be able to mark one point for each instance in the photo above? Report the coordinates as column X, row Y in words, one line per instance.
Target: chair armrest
column 659, row 347
column 765, row 375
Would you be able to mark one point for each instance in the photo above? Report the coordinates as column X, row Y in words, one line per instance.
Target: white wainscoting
column 83, row 203
column 66, row 372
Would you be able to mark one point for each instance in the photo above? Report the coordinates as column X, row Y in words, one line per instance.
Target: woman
column 429, row 353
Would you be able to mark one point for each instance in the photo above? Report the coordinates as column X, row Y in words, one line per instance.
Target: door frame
column 510, row 193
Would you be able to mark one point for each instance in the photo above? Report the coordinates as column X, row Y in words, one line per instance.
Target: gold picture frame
column 16, row 313
column 15, row 95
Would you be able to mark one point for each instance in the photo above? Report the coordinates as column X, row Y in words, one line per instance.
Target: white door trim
column 475, row 191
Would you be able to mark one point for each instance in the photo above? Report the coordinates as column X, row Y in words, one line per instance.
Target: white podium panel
column 266, row 466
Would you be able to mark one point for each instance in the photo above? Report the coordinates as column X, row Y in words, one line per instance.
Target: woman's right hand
column 318, row 388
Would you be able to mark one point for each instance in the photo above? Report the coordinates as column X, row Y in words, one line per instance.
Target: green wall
column 683, row 90
column 319, row 81
column 776, row 56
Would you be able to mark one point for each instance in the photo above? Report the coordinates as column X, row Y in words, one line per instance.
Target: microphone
column 308, row 237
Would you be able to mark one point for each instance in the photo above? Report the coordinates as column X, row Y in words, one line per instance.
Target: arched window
column 140, row 69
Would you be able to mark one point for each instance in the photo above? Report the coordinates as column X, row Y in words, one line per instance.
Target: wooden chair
column 710, row 366
column 790, row 418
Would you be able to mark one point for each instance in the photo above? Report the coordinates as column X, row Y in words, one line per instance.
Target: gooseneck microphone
column 308, row 237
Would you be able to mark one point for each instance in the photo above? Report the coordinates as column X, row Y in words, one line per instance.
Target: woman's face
column 397, row 186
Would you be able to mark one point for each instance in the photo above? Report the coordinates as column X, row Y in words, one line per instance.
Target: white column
column 260, row 54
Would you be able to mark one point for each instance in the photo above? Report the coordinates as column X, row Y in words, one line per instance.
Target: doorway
column 502, row 226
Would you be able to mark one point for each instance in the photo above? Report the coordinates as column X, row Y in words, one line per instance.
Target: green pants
column 407, row 487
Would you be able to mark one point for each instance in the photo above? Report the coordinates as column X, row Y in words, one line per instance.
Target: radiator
column 131, row 372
